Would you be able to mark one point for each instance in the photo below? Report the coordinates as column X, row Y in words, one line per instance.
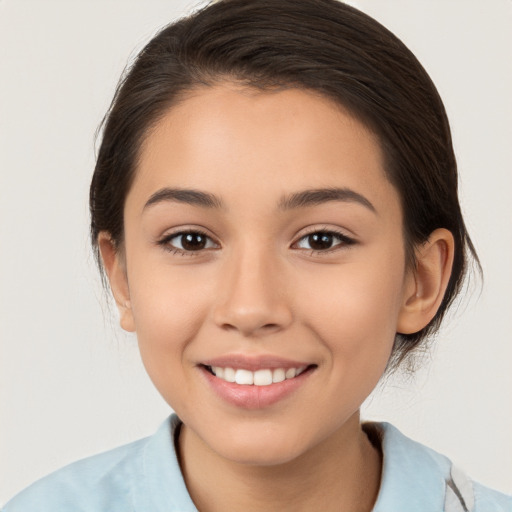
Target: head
column 323, row 51
column 339, row 53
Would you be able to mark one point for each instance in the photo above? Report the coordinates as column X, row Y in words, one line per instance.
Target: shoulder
column 417, row 478
column 489, row 499
column 100, row 482
column 140, row 476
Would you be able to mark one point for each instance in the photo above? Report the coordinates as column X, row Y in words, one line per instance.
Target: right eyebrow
column 187, row 196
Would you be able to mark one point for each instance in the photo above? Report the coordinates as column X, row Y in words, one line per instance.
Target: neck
column 341, row 473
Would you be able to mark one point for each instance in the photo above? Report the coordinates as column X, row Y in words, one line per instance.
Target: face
column 263, row 243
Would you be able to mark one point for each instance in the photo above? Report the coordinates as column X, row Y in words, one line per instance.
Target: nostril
column 228, row 327
column 251, row 319
column 263, row 328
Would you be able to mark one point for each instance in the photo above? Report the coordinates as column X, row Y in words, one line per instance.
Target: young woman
column 275, row 207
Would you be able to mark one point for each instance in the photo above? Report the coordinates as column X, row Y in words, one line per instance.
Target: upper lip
column 253, row 363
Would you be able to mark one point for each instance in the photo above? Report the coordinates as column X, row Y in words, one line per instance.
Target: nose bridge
column 252, row 299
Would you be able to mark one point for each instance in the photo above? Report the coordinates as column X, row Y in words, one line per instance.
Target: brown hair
column 319, row 45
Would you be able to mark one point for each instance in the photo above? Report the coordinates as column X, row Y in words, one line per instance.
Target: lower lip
column 255, row 397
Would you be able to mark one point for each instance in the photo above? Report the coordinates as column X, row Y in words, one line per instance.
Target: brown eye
column 193, row 241
column 189, row 241
column 320, row 241
column 323, row 241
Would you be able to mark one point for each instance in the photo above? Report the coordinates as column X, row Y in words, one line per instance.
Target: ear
column 426, row 284
column 115, row 267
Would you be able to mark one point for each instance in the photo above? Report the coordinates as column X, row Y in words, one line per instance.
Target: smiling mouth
column 262, row 377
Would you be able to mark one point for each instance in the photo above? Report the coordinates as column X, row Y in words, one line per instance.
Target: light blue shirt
column 145, row 476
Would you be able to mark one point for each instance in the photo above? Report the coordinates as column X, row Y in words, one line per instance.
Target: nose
column 252, row 296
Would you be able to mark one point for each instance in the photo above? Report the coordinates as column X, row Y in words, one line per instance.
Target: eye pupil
column 319, row 241
column 193, row 241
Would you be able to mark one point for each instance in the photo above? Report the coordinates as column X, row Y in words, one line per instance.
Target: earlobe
column 114, row 264
column 426, row 284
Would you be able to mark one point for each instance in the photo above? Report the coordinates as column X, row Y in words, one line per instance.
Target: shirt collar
column 161, row 487
column 413, row 476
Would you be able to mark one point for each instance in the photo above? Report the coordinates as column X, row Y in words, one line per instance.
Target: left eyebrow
column 314, row 197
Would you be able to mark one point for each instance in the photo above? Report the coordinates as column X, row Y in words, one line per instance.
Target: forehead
column 227, row 137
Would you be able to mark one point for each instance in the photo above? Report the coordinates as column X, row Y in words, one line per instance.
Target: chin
column 259, row 445
column 261, row 453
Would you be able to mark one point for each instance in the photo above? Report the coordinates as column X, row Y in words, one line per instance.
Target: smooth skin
column 255, row 281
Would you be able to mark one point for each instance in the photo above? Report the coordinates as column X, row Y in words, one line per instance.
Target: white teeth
column 278, row 375
column 244, row 377
column 290, row 373
column 264, row 377
column 229, row 375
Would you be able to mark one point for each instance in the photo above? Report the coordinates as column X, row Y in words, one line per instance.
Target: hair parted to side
column 323, row 46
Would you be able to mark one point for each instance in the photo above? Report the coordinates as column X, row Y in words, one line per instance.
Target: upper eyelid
column 168, row 235
column 341, row 233
column 165, row 240
column 344, row 233
column 346, row 241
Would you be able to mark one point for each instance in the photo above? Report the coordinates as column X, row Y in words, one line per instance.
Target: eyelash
column 165, row 242
column 344, row 240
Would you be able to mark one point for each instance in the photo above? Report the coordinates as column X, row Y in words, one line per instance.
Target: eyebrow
column 303, row 199
column 319, row 196
column 187, row 196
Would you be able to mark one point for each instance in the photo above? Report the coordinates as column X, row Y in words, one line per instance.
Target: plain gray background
column 71, row 382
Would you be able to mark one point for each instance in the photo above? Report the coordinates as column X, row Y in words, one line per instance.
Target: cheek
column 168, row 308
column 356, row 323
column 355, row 311
column 162, row 312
